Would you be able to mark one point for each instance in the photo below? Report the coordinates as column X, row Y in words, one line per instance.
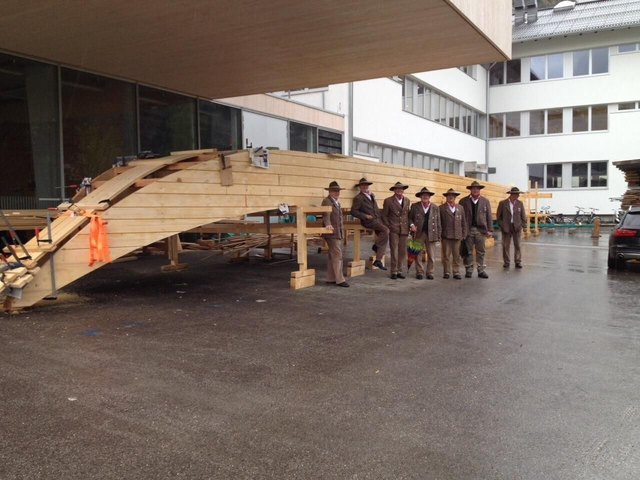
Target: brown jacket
column 503, row 216
column 362, row 206
column 334, row 218
column 484, row 218
column 454, row 225
column 396, row 217
column 416, row 217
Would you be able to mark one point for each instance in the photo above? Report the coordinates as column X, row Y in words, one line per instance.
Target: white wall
column 379, row 117
column 456, row 83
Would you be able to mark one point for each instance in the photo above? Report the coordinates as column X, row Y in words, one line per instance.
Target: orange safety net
column 98, row 242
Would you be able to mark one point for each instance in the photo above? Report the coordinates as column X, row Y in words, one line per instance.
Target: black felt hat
column 399, row 185
column 423, row 191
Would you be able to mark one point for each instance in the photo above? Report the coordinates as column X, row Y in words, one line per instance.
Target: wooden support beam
column 226, row 171
column 356, row 267
column 303, row 278
column 172, row 245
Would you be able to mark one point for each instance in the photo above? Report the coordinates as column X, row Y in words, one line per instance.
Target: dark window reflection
column 220, row 126
column 302, row 138
column 167, row 121
column 29, row 134
column 99, row 123
column 536, row 176
column 329, row 142
column 554, row 176
column 496, row 74
column 599, row 174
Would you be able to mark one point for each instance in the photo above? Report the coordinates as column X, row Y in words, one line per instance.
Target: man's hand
column 330, row 227
column 413, row 228
column 368, row 217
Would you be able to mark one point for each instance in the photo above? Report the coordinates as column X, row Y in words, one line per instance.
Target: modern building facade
column 105, row 80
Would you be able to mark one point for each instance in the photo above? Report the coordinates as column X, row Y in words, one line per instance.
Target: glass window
column 629, row 47
column 599, row 174
column 579, row 175
column 29, row 135
column 408, row 159
column 450, row 113
column 581, row 63
column 407, row 93
column 387, row 155
column 456, row 115
column 536, row 175
column 554, row 121
column 167, row 121
column 538, row 68
column 536, row 122
column 513, row 71
column 427, row 104
column 513, row 124
column 554, row 176
column 418, row 105
column 220, row 126
column 443, row 109
column 329, row 142
column 435, row 107
column 627, row 106
column 264, row 131
column 98, row 121
column 495, row 125
column 496, row 74
column 599, row 117
column 302, row 138
column 555, row 65
column 600, row 60
column 580, row 119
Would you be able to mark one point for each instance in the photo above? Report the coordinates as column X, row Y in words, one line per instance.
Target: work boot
column 483, row 274
column 469, row 274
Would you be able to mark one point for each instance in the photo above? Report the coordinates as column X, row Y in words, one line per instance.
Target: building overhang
column 217, row 49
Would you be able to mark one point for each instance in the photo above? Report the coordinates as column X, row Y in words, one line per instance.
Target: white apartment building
column 559, row 114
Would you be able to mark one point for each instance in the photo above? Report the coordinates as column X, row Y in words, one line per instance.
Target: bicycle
column 582, row 217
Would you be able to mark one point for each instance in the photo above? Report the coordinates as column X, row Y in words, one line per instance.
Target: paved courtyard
column 222, row 372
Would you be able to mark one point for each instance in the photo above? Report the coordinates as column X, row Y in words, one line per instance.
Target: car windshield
column 631, row 220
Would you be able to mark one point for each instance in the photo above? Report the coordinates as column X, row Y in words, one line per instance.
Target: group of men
column 461, row 228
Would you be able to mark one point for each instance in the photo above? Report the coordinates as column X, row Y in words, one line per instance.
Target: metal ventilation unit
column 525, row 11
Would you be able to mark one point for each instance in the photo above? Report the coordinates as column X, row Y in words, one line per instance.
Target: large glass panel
column 220, row 126
column 513, row 71
column 513, row 124
column 456, row 115
column 536, row 175
column 536, row 122
column 600, row 60
column 443, row 109
column 329, row 142
column 554, row 121
column 555, row 65
column 302, row 138
column 599, row 117
column 579, row 175
column 580, row 119
column 29, row 134
column 418, row 106
column 435, row 107
column 626, row 106
column 407, row 93
column 427, row 104
column 538, row 68
column 581, row 63
column 98, row 121
column 629, row 47
column 599, row 174
column 450, row 113
column 554, row 176
column 496, row 74
column 265, row 131
column 495, row 125
column 167, row 121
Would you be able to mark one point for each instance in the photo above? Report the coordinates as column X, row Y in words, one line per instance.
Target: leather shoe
column 393, row 276
column 518, row 265
column 379, row 264
column 457, row 276
column 429, row 277
column 446, row 275
column 483, row 275
column 419, row 277
column 468, row 275
column 506, row 265
column 343, row 284
column 401, row 276
column 374, row 248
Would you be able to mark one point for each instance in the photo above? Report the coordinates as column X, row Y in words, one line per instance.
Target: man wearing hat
column 333, row 221
column 511, row 219
column 425, row 224
column 477, row 213
column 395, row 215
column 454, row 230
column 365, row 208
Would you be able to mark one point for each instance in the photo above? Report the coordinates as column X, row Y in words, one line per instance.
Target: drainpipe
column 486, row 131
column 350, row 122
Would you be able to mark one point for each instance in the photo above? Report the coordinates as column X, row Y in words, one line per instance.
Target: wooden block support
column 303, row 279
column 173, row 247
column 356, row 268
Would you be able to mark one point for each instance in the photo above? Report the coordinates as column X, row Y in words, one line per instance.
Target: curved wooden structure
column 151, row 200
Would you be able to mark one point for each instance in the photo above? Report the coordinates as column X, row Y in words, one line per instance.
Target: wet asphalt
column 222, row 372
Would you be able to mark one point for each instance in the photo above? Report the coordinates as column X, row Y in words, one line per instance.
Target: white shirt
column 400, row 200
column 511, row 205
column 453, row 209
column 426, row 210
column 367, row 194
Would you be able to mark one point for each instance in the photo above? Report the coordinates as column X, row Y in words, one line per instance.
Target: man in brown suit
column 454, row 230
column 424, row 220
column 395, row 215
column 333, row 221
column 366, row 209
column 511, row 218
column 477, row 213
